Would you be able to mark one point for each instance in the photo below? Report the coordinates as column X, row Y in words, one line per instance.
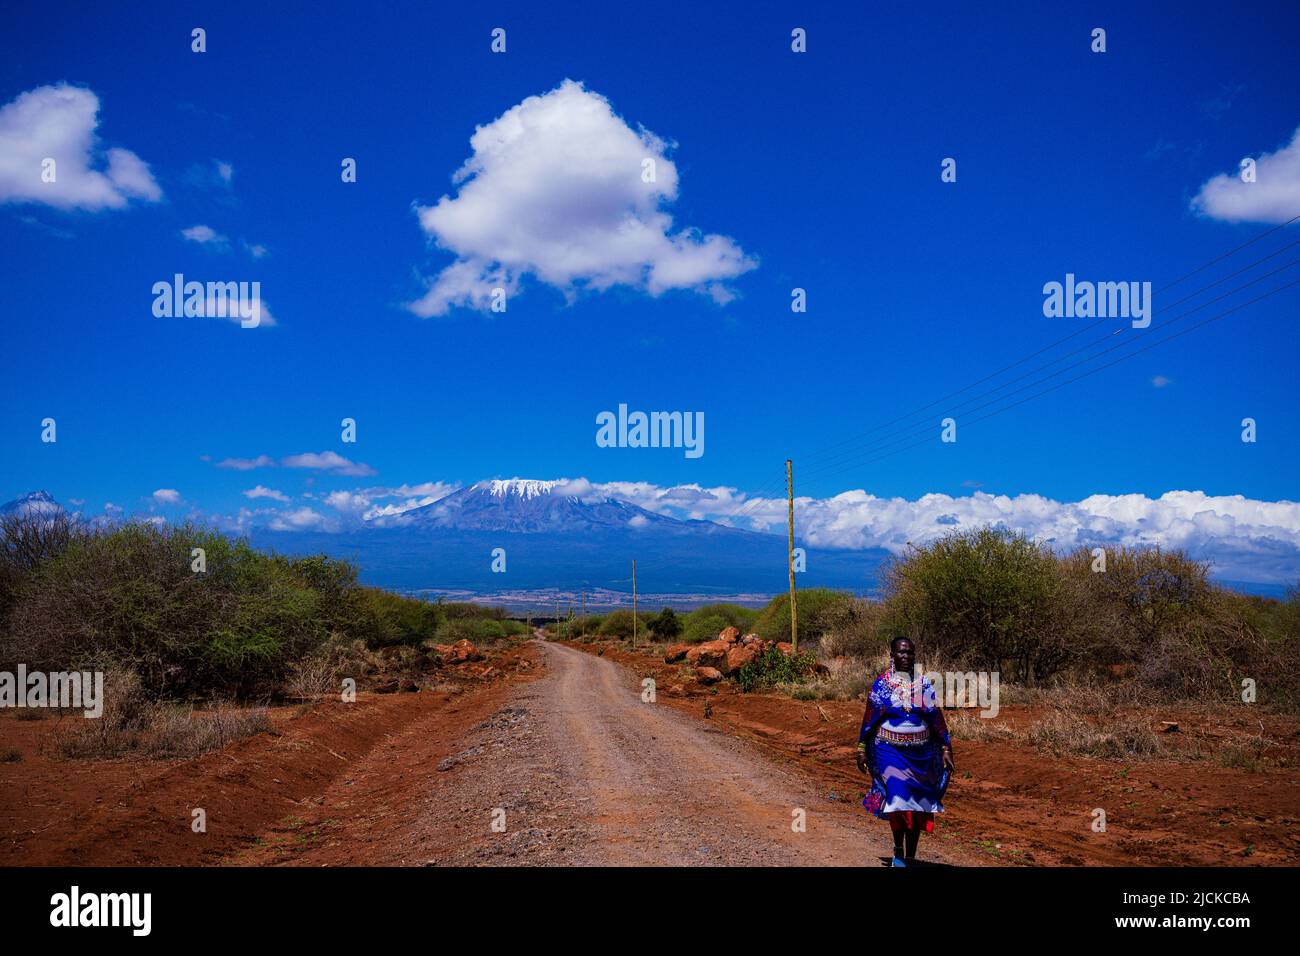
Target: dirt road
column 654, row 786
column 554, row 746
column 579, row 770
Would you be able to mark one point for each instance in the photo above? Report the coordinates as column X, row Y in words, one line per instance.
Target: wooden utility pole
column 634, row 602
column 794, row 613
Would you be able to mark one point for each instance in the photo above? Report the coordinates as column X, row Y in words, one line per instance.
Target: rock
column 460, row 652
column 712, row 654
column 749, row 640
column 729, row 634
column 785, row 647
column 1169, row 726
column 738, row 657
column 708, row 675
column 387, row 687
column 676, row 690
column 408, row 686
column 676, row 653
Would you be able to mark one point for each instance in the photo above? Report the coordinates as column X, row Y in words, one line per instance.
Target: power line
column 746, row 508
column 1083, row 375
column 816, row 473
column 856, row 439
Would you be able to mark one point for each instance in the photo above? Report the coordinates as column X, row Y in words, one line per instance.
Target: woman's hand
column 864, row 765
column 947, row 760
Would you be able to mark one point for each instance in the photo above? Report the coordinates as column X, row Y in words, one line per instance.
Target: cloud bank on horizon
column 560, row 188
column 1245, row 539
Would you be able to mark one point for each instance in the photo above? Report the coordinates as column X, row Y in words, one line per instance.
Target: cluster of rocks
column 462, row 652
column 724, row 655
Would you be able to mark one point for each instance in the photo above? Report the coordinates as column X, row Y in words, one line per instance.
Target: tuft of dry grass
column 1247, row 757
column 312, row 678
column 133, row 724
column 164, row 730
column 1068, row 732
column 968, row 726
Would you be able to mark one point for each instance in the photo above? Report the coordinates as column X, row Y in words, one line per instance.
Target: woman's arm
column 871, row 720
column 939, row 728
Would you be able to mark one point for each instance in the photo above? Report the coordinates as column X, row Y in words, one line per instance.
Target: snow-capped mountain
column 525, row 506
column 551, row 538
column 36, row 502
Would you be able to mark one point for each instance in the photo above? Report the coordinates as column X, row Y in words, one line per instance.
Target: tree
column 666, row 626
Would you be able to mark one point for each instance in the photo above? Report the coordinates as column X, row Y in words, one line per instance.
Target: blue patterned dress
column 904, row 733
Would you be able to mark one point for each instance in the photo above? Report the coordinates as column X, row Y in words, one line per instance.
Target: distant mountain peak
column 522, row 487
column 34, row 502
column 525, row 505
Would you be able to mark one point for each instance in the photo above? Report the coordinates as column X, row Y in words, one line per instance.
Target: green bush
column 704, row 623
column 666, row 625
column 618, row 624
column 775, row 667
column 991, row 598
column 818, row 608
column 579, row 627
column 128, row 596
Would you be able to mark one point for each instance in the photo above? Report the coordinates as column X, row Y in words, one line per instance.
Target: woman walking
column 905, row 746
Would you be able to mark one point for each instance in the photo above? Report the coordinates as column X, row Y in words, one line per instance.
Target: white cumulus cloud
column 327, row 461
column 58, row 123
column 1245, row 539
column 300, row 519
column 263, row 492
column 1273, row 197
column 555, row 190
column 205, row 236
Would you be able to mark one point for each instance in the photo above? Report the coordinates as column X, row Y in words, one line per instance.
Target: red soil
column 137, row 811
column 340, row 784
column 1024, row 806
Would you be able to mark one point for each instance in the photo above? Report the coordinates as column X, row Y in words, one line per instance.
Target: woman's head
column 902, row 652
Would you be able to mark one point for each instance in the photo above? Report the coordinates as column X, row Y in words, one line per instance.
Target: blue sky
column 821, row 169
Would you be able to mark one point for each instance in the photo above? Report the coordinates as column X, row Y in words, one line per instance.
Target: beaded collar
column 903, row 691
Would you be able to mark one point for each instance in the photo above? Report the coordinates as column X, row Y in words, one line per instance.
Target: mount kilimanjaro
column 553, row 540
column 557, row 540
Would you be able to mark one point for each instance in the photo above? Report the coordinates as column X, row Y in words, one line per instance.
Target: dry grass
column 312, row 678
column 10, row 755
column 967, row 726
column 847, row 679
column 1248, row 757
column 164, row 730
column 1069, row 732
column 132, row 724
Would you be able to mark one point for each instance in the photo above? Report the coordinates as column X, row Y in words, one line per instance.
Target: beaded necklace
column 903, row 690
